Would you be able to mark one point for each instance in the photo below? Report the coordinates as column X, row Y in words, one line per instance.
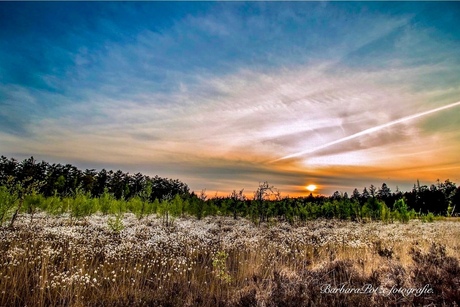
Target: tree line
column 65, row 180
column 29, row 186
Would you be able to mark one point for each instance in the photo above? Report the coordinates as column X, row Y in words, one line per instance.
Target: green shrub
column 176, row 206
column 118, row 206
column 403, row 212
column 106, row 201
column 136, row 206
column 197, row 207
column 153, row 207
column 82, row 205
column 328, row 210
column 430, row 217
column 344, row 209
column 303, row 213
column 116, row 224
column 54, row 205
column 34, row 202
column 210, row 208
column 219, row 263
column 373, row 209
column 385, row 213
column 8, row 201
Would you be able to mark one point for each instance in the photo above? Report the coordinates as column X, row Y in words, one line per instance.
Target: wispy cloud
column 373, row 130
column 250, row 117
column 214, row 94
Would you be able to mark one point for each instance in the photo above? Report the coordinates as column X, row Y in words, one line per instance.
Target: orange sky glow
column 226, row 95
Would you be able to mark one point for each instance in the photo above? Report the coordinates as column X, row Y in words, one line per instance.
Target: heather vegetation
column 219, row 261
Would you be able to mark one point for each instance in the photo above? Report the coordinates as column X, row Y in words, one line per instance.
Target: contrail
column 370, row 130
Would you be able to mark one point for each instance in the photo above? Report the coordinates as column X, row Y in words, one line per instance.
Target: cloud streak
column 370, row 130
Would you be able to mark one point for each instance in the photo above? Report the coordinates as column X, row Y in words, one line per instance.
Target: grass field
column 218, row 261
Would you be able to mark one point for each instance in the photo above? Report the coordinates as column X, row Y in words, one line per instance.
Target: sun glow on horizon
column 311, row 187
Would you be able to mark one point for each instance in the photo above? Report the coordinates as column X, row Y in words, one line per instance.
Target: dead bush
column 440, row 272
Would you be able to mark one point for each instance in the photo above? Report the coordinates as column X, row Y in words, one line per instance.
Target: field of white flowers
column 218, row 261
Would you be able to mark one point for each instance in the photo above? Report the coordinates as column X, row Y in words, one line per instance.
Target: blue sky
column 223, row 95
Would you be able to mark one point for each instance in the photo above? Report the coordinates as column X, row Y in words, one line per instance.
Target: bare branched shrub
column 438, row 270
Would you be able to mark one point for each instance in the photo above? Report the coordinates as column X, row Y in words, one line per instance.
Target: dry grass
column 222, row 262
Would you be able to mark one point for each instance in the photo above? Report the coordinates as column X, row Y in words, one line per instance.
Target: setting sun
column 311, row 187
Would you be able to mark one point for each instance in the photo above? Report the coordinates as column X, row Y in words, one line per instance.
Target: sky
column 226, row 95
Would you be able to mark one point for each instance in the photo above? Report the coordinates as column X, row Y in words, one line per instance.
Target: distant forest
column 66, row 181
